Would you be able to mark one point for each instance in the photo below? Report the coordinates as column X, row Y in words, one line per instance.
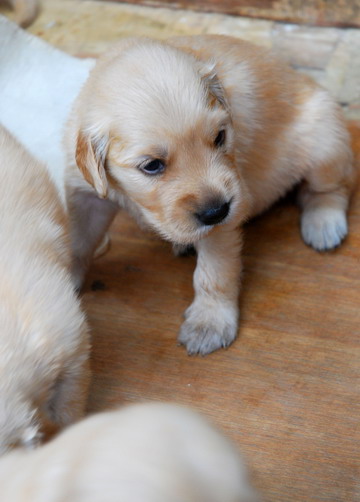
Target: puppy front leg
column 90, row 218
column 211, row 321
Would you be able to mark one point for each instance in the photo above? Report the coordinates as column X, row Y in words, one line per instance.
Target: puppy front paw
column 208, row 328
column 323, row 228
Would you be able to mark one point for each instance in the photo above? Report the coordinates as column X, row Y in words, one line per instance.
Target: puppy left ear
column 90, row 159
column 211, row 80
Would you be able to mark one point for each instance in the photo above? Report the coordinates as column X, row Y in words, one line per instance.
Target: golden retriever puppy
column 146, row 452
column 194, row 136
column 25, row 11
column 43, row 338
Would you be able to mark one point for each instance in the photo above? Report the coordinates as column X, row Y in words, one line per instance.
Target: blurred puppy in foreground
column 146, row 453
column 43, row 337
column 194, row 136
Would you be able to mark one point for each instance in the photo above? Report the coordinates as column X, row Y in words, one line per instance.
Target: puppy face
column 155, row 126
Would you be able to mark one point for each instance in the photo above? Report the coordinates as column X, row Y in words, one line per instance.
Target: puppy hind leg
column 90, row 218
column 324, row 198
column 323, row 144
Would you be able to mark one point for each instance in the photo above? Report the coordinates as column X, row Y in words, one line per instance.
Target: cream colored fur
column 232, row 128
column 144, row 453
column 43, row 334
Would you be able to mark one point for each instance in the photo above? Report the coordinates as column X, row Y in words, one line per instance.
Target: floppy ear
column 90, row 159
column 211, row 80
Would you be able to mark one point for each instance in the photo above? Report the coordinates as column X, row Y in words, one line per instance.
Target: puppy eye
column 155, row 166
column 220, row 138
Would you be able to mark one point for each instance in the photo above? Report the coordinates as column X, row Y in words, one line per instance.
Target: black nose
column 213, row 214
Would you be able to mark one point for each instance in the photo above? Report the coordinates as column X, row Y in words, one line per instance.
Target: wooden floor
column 287, row 391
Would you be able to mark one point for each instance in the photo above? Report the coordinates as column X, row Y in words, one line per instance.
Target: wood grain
column 313, row 12
column 287, row 391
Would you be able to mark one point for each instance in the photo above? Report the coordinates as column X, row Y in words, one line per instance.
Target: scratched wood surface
column 287, row 391
column 313, row 12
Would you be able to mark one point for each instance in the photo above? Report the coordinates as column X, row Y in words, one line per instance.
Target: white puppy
column 143, row 453
column 194, row 136
column 38, row 85
column 44, row 338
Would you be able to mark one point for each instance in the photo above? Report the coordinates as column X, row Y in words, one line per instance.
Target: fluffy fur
column 228, row 130
column 147, row 452
column 43, row 336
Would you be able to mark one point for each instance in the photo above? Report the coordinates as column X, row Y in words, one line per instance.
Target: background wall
column 315, row 12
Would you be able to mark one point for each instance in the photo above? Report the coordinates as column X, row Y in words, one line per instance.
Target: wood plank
column 313, row 12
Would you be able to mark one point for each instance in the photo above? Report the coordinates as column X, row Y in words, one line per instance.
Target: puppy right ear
column 90, row 159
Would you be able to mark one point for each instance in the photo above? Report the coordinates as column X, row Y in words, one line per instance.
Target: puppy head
column 154, row 125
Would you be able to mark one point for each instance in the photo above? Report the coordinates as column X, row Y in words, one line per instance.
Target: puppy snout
column 213, row 213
